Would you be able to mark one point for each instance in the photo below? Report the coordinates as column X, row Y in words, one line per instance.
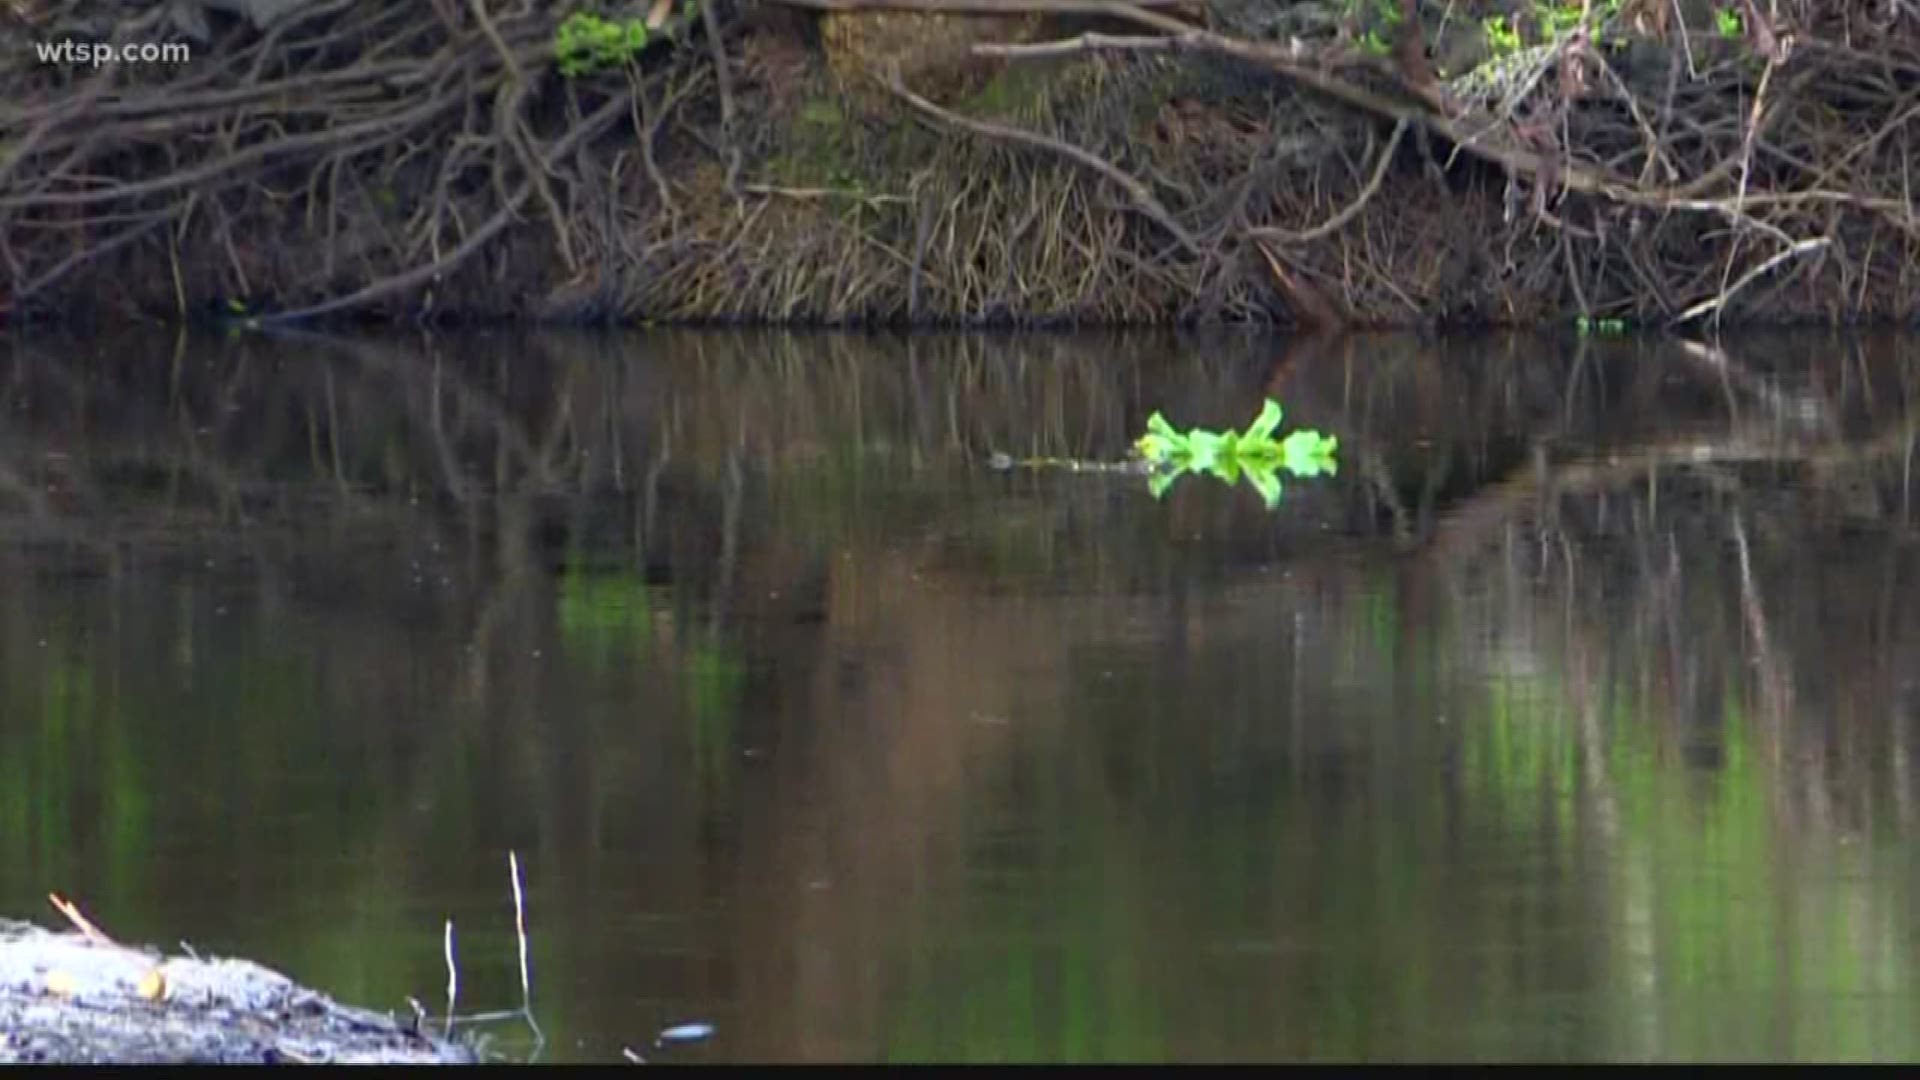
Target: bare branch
column 1143, row 199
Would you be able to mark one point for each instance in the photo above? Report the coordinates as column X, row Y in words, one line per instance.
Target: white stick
column 453, row 977
column 1715, row 303
column 520, row 929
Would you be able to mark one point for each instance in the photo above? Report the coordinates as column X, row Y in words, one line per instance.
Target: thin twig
column 1142, row 198
column 87, row 929
column 89, row 253
column 507, row 120
column 1715, row 303
column 1348, row 212
column 520, row 933
column 453, row 977
column 520, row 930
column 723, row 78
column 398, row 283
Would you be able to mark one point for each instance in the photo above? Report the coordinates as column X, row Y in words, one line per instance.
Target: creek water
column 1576, row 718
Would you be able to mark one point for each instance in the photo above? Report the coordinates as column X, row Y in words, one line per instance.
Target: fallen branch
column 1719, row 301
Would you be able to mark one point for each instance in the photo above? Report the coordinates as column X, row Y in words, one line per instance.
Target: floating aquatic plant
column 1254, row 454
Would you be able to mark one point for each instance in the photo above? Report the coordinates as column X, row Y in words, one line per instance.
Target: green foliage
column 1586, row 326
column 1557, row 19
column 605, row 617
column 1502, row 38
column 1381, row 17
column 1554, row 20
column 1383, row 12
column 586, row 42
column 715, row 688
column 1727, row 21
column 1229, row 455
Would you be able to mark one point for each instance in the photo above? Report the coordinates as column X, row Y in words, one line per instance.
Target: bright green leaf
column 1160, row 442
column 1204, row 447
column 1264, row 425
column 1309, row 453
column 1267, row 482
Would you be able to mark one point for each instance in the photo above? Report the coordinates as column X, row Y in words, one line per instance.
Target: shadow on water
column 1574, row 719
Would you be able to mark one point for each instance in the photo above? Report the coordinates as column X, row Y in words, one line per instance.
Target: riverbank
column 74, row 999
column 956, row 162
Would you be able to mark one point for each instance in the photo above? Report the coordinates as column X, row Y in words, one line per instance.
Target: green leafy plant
column 586, row 43
column 1587, row 326
column 1384, row 12
column 1502, row 37
column 1561, row 19
column 1383, row 17
column 1254, row 454
column 1557, row 19
column 1727, row 21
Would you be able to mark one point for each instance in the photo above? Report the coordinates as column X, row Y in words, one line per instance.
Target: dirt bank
column 1030, row 162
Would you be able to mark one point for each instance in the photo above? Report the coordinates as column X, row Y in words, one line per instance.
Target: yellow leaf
column 61, row 983
column 153, row 986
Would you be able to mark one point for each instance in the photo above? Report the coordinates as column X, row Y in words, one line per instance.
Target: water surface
column 1575, row 719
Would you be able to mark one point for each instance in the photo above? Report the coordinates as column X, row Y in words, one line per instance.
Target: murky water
column 1575, row 719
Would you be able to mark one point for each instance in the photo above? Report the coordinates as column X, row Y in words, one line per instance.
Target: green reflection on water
column 606, row 617
column 1048, row 771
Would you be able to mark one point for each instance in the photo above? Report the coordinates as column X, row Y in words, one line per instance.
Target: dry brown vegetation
column 1075, row 162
